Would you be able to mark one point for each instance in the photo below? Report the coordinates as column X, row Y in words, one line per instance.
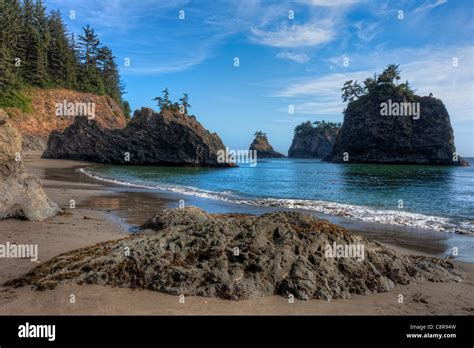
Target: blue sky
column 283, row 61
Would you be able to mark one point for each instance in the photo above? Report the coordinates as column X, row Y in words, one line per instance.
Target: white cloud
column 293, row 36
column 319, row 96
column 165, row 68
column 428, row 6
column 329, row 2
column 367, row 31
column 427, row 70
column 326, row 87
column 300, row 58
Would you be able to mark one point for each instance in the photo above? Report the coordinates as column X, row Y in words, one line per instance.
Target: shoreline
column 414, row 240
column 104, row 212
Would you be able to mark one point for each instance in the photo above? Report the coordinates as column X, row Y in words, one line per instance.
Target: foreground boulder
column 21, row 194
column 263, row 147
column 233, row 256
column 313, row 142
column 167, row 138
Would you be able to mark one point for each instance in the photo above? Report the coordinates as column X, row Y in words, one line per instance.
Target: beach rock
column 263, row 147
column 21, row 194
column 234, row 256
column 313, row 142
column 35, row 126
column 368, row 137
column 167, row 138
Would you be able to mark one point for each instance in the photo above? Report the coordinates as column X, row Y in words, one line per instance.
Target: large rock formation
column 263, row 147
column 312, row 142
column 35, row 126
column 233, row 256
column 167, row 138
column 21, row 194
column 368, row 137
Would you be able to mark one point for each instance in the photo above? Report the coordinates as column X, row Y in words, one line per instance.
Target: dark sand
column 113, row 211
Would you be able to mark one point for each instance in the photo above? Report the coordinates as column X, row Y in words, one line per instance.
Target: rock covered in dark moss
column 234, row 256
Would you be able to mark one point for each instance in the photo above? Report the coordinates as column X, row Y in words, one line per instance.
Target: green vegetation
column 307, row 128
column 37, row 50
column 165, row 102
column 260, row 134
column 384, row 84
column 17, row 100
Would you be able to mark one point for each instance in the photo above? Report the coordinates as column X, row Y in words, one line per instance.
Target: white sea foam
column 362, row 213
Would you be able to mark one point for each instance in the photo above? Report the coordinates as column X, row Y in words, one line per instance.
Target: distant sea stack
column 386, row 122
column 263, row 147
column 314, row 141
column 166, row 138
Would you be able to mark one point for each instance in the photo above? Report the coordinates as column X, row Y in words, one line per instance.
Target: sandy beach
column 104, row 212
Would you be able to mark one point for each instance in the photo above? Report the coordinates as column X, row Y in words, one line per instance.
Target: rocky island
column 313, row 140
column 386, row 122
column 263, row 147
column 166, row 138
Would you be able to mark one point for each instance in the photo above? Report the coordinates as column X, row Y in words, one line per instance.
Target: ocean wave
column 361, row 213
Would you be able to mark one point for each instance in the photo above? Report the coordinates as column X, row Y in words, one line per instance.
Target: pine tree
column 10, row 28
column 90, row 79
column 185, row 103
column 40, row 39
column 61, row 60
column 109, row 73
column 166, row 98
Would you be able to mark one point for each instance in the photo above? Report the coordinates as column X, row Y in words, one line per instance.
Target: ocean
column 428, row 197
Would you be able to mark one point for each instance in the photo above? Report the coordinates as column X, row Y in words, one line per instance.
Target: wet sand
column 104, row 211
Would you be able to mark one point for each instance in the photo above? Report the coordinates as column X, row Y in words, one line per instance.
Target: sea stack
column 165, row 138
column 388, row 123
column 21, row 194
column 263, row 147
column 314, row 140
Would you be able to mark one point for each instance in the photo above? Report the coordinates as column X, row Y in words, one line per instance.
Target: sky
column 290, row 53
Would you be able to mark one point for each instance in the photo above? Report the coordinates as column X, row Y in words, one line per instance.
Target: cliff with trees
column 43, row 65
column 36, row 50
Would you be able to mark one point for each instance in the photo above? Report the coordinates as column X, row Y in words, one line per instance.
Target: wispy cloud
column 430, row 5
column 331, row 3
column 428, row 71
column 367, row 31
column 148, row 68
column 290, row 36
column 300, row 58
